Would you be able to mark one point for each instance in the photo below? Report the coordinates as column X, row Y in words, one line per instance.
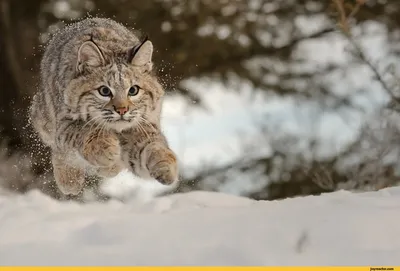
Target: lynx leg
column 70, row 180
column 161, row 163
column 109, row 172
column 102, row 150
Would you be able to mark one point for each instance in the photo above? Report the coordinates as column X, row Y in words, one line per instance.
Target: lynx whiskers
column 98, row 107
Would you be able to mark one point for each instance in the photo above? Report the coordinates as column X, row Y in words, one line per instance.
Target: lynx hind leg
column 70, row 180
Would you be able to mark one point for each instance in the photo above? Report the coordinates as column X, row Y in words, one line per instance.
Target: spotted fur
column 93, row 133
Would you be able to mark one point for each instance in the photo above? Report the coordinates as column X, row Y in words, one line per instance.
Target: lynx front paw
column 109, row 172
column 162, row 165
column 157, row 161
column 102, row 151
column 69, row 180
column 164, row 172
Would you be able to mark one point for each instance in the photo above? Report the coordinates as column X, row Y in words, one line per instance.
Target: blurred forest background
column 323, row 87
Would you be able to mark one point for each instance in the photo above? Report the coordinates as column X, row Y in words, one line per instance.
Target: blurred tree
column 19, row 32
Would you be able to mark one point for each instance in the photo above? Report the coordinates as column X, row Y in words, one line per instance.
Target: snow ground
column 203, row 228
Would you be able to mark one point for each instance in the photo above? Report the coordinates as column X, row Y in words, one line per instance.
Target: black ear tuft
column 135, row 49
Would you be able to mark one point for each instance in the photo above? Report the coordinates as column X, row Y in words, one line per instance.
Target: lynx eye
column 134, row 90
column 104, row 91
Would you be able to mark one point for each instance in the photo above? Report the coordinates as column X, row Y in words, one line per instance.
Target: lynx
column 98, row 106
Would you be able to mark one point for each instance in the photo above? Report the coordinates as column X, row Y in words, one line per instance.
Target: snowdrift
column 203, row 228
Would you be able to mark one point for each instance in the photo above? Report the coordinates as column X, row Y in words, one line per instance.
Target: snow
column 202, row 228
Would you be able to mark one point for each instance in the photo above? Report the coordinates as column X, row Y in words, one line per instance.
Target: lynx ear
column 141, row 55
column 89, row 55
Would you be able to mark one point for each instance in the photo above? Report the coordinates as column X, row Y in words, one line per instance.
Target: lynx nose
column 121, row 110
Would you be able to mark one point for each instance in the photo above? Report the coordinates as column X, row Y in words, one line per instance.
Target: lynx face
column 118, row 93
